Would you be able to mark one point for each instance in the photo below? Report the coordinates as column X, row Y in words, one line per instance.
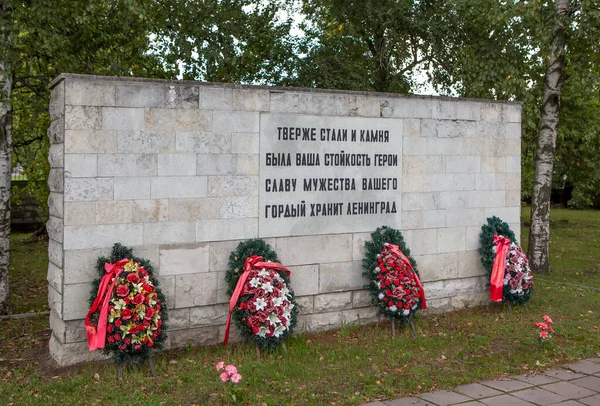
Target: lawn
column 350, row 366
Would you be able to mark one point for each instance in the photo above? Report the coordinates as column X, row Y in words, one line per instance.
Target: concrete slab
column 505, row 400
column 540, row 396
column 409, row 401
column 507, row 385
column 563, row 374
column 477, row 391
column 590, row 382
column 444, row 397
column 585, row 366
column 535, row 380
column 591, row 401
column 569, row 390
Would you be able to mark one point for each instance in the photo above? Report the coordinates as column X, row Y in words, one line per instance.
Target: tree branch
column 27, row 142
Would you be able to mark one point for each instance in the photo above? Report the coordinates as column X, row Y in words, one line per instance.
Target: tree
column 234, row 41
column 374, row 44
column 539, row 236
column 5, row 152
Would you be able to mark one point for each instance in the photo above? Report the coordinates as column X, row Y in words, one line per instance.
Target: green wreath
column 249, row 321
column 145, row 311
column 487, row 251
column 373, row 250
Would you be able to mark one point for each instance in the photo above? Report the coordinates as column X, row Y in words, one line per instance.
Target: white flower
column 255, row 282
column 287, row 314
column 405, row 312
column 381, row 296
column 285, row 292
column 278, row 331
column 267, row 287
column 263, row 272
column 376, row 270
column 260, row 303
column 393, row 308
column 120, row 304
column 414, row 307
column 277, row 301
column 273, row 319
column 262, row 331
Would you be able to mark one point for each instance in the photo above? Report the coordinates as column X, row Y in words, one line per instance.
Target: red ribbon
column 251, row 262
column 497, row 278
column 96, row 335
column 395, row 249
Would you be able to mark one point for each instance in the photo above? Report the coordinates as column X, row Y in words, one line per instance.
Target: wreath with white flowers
column 394, row 283
column 517, row 279
column 265, row 311
column 136, row 310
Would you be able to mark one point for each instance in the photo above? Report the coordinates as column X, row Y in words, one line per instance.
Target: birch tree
column 539, row 237
column 5, row 153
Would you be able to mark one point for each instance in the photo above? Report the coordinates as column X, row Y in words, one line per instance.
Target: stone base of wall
column 203, row 326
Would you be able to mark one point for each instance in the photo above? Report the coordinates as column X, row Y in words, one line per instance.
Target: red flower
column 138, row 299
column 127, row 300
column 111, row 340
column 133, row 277
column 137, row 347
column 125, row 314
column 380, row 276
column 390, row 303
column 243, row 306
column 136, row 316
column 143, row 271
column 109, row 328
column 396, row 282
column 123, row 347
column 117, row 337
column 149, row 313
column 387, row 282
column 255, row 330
column 146, row 323
column 118, row 322
column 388, row 292
column 150, row 344
column 122, row 290
column 147, row 288
column 127, row 340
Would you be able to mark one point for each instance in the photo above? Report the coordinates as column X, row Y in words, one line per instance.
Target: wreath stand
column 257, row 348
column 150, row 364
column 412, row 326
column 510, row 310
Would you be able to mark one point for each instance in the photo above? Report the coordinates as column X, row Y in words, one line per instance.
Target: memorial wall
column 184, row 171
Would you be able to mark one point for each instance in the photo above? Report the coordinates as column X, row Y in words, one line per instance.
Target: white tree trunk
column 539, row 237
column 5, row 163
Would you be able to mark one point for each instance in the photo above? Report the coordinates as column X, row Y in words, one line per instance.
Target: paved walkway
column 573, row 385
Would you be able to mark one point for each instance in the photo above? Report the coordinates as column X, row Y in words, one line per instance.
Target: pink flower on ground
column 220, row 365
column 543, row 334
column 548, row 320
column 231, row 369
column 224, row 377
column 236, row 378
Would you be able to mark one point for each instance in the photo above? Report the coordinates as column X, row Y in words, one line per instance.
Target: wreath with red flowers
column 137, row 312
column 266, row 311
column 394, row 284
column 517, row 281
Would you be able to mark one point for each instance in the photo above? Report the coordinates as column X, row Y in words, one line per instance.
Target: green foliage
column 495, row 226
column 226, row 41
column 237, row 259
column 372, row 44
column 54, row 37
column 121, row 357
column 373, row 249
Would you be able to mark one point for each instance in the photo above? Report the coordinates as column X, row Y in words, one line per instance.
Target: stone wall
column 173, row 169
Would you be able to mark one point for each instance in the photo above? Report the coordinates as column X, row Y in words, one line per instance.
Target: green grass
column 350, row 366
column 28, row 270
column 574, row 245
